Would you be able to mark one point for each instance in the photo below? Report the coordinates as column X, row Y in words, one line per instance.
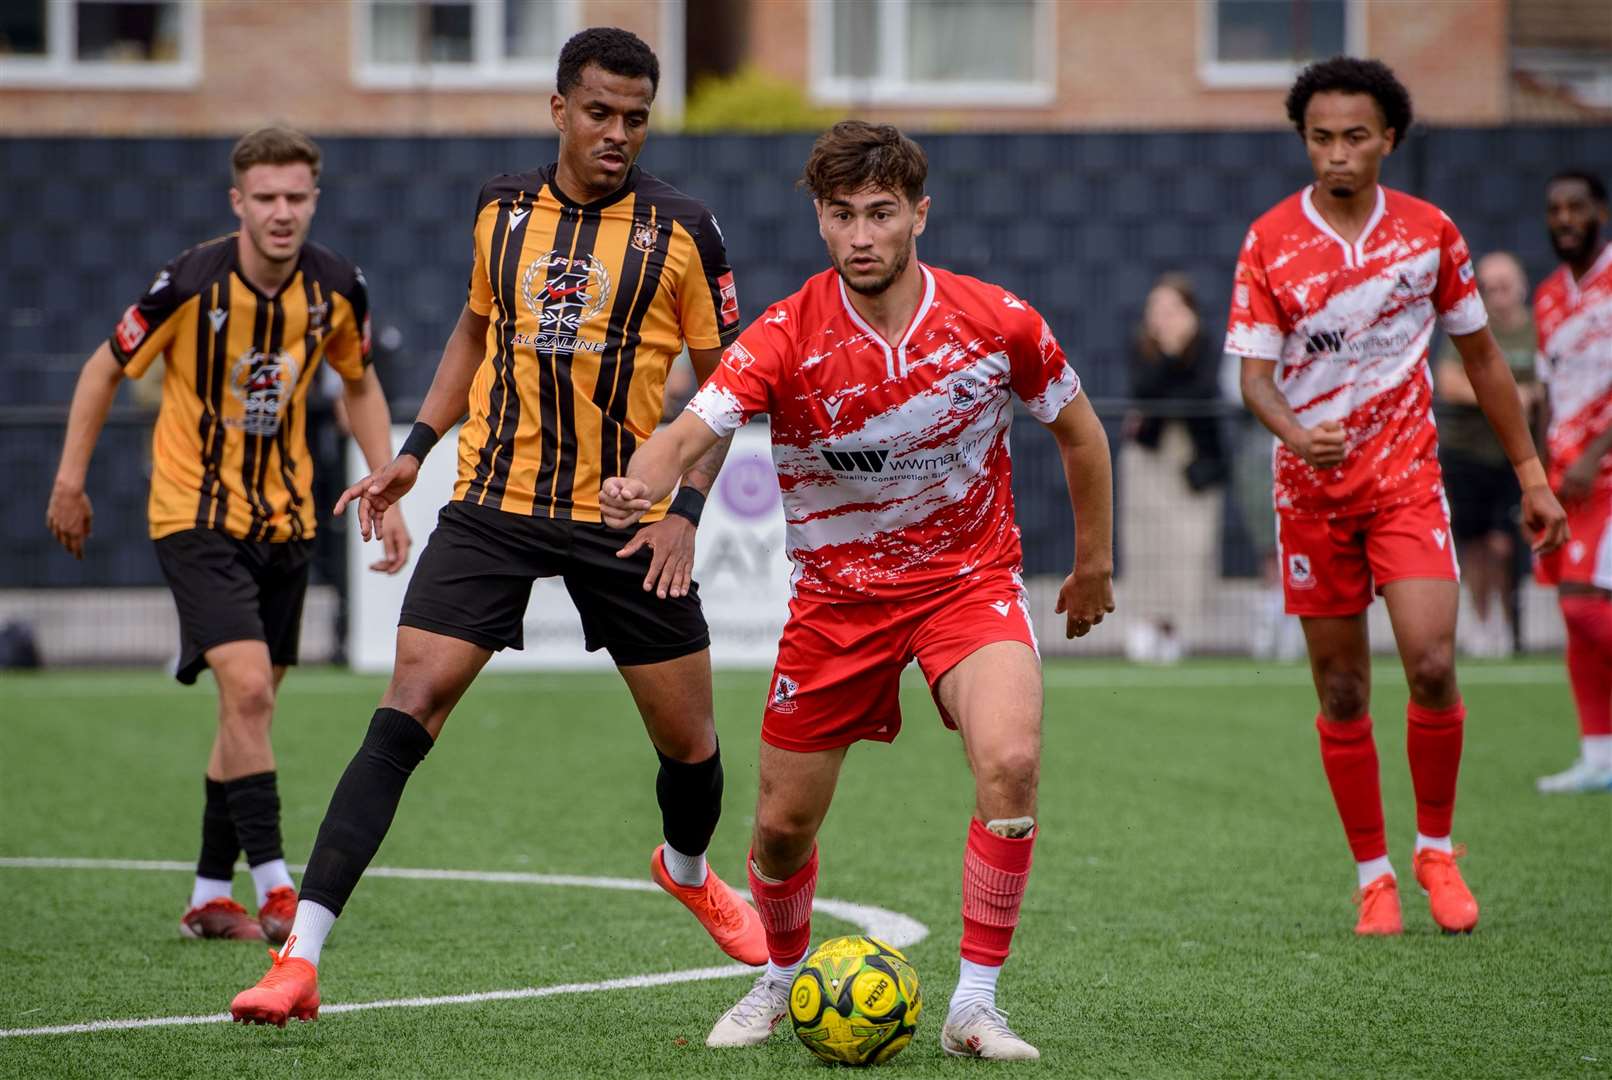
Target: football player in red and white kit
column 1573, row 317
column 1338, row 290
column 890, row 388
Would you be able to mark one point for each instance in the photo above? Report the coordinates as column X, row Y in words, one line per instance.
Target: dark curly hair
column 1591, row 182
column 620, row 52
column 1349, row 75
column 854, row 154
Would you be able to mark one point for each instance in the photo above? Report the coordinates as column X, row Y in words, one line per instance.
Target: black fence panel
column 1080, row 224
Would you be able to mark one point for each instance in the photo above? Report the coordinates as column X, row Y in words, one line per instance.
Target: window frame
column 488, row 68
column 886, row 88
column 1220, row 74
column 58, row 67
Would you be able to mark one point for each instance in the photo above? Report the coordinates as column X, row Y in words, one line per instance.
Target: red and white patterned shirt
column 1349, row 327
column 892, row 458
column 1574, row 323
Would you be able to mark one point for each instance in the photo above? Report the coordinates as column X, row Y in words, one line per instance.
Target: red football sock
column 1433, row 742
column 1349, row 756
column 785, row 908
column 1589, row 660
column 995, row 872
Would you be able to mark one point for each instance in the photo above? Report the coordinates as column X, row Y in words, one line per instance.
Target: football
column 855, row 1001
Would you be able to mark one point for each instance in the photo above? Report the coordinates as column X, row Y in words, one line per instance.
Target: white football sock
column 975, row 982
column 270, row 875
column 309, row 931
column 206, row 889
column 687, row 870
column 1437, row 843
column 1372, row 869
column 785, row 974
column 1597, row 750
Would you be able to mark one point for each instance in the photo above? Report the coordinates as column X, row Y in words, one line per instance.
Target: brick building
column 216, row 67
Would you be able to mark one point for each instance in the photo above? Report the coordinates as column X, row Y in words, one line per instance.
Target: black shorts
column 474, row 581
column 1484, row 497
column 234, row 590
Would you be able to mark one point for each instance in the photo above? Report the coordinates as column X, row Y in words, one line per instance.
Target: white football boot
column 978, row 1029
column 1578, row 778
column 751, row 1021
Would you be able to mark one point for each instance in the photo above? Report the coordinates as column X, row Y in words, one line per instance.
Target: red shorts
column 1586, row 559
column 1331, row 567
column 838, row 678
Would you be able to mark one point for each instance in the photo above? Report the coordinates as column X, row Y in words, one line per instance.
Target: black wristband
column 687, row 503
column 422, row 437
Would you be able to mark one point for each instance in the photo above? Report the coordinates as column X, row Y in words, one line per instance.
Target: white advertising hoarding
column 739, row 564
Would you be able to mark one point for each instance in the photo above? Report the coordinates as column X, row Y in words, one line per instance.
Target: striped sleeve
column 147, row 326
column 708, row 298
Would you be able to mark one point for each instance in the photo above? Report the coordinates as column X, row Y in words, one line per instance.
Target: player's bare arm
column 1579, row 477
column 1087, row 594
column 69, row 514
column 654, row 469
column 671, row 539
column 370, row 421
column 443, row 406
column 1496, row 391
column 1321, row 446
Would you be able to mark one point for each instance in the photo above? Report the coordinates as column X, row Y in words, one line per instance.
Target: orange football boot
column 1451, row 901
column 220, row 917
column 1379, row 908
column 277, row 913
column 290, row 989
column 732, row 923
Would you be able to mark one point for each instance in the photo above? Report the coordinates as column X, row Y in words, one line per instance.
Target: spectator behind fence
column 1483, row 493
column 1168, row 472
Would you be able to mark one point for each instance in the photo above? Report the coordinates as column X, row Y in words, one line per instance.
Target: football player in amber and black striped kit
column 589, row 277
column 244, row 321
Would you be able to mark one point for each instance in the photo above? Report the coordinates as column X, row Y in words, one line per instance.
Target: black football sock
column 219, row 844
column 690, row 797
column 363, row 806
column 254, row 807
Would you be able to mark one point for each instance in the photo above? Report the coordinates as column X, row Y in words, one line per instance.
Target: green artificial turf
column 1188, row 914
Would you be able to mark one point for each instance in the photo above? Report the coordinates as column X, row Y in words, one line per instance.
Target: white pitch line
column 890, row 926
column 631, row 982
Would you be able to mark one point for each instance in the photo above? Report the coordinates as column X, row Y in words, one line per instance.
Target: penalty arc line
column 890, row 926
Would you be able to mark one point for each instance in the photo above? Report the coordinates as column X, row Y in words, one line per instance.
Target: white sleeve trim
column 1468, row 316
column 1258, row 341
column 718, row 408
column 1046, row 405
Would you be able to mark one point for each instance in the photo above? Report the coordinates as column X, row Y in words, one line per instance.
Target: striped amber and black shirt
column 588, row 306
column 230, row 451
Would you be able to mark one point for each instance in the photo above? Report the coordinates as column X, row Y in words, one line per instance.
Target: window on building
column 986, row 52
column 465, row 43
column 135, row 43
column 1266, row 42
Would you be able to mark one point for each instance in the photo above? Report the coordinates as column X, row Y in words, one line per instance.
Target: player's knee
column 782, row 837
column 1343, row 695
column 247, row 699
column 1432, row 674
column 1012, row 771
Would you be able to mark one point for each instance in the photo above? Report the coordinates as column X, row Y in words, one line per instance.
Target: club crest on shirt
column 644, row 236
column 964, row 393
column 262, row 382
column 319, row 318
column 1298, row 572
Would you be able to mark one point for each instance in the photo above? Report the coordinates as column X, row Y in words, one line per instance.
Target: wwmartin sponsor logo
column 914, row 466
